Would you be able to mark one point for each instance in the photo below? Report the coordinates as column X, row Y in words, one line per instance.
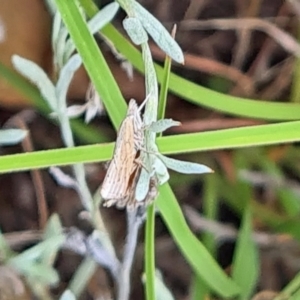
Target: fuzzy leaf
column 103, row 17
column 60, row 48
column 159, row 33
column 53, row 228
column 94, row 104
column 162, row 292
column 128, row 68
column 38, row 272
column 76, row 110
column 162, row 125
column 57, row 23
column 62, row 178
column 11, row 136
column 5, row 250
column 65, row 78
column 161, row 171
column 135, row 30
column 36, row 74
column 142, row 186
column 36, row 252
column 184, row 167
column 67, row 295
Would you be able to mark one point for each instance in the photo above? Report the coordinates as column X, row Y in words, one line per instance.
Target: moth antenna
column 144, row 102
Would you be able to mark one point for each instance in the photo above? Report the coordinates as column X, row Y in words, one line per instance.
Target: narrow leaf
column 81, row 277
column 142, row 186
column 162, row 292
column 184, row 167
column 11, row 136
column 161, row 171
column 36, row 74
column 57, row 23
column 5, row 250
column 65, row 78
column 75, row 111
column 192, row 249
column 162, row 125
column 62, row 178
column 245, row 263
column 37, row 251
column 53, row 229
column 67, row 295
column 103, row 17
column 135, row 30
column 35, row 272
column 159, row 34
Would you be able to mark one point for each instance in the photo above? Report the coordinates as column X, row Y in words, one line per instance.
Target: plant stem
column 134, row 221
column 149, row 253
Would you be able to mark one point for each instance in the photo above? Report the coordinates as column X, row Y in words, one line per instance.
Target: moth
column 120, row 180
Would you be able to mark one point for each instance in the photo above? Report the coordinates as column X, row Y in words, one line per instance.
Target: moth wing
column 115, row 184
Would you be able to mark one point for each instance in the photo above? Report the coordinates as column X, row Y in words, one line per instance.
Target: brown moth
column 124, row 169
column 130, row 201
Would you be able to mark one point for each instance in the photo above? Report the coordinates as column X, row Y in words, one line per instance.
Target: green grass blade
column 246, row 263
column 182, row 143
column 231, row 138
column 56, row 157
column 291, row 291
column 195, row 253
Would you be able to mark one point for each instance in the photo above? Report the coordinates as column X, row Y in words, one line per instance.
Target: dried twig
column 288, row 42
column 20, row 120
column 224, row 232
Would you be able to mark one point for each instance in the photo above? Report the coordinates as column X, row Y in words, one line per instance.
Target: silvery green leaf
column 69, row 49
column 60, row 49
column 162, row 125
column 161, row 290
column 128, row 68
column 67, row 295
column 161, row 171
column 135, row 30
column 51, row 6
column 57, row 23
column 36, row 75
column 103, row 17
column 62, row 178
column 11, row 136
column 91, row 112
column 184, row 167
column 75, row 111
column 127, row 5
column 151, row 83
column 66, row 75
column 37, row 272
column 142, row 186
column 94, row 104
column 53, row 229
column 34, row 253
column 5, row 250
column 159, row 34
